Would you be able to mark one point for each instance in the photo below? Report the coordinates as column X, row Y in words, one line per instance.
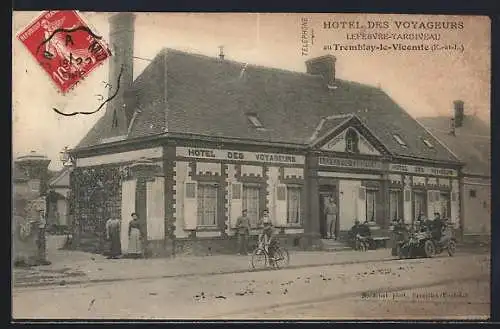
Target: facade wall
column 477, row 205
column 213, row 186
column 379, row 191
column 203, row 191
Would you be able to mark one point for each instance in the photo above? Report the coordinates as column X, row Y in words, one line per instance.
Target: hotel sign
column 420, row 170
column 218, row 154
column 349, row 163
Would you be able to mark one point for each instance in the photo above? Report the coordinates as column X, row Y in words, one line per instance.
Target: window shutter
column 190, row 205
column 281, row 205
column 236, row 203
column 361, row 204
column 362, row 193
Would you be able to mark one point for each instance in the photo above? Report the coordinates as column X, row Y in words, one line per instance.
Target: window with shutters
column 251, row 200
column 293, row 204
column 394, row 205
column 207, row 204
column 371, row 200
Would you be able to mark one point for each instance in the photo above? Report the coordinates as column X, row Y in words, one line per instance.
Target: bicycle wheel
column 281, row 257
column 259, row 258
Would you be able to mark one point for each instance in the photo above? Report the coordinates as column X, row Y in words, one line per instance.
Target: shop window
column 394, row 205
column 371, row 201
column 351, row 141
column 293, row 204
column 207, row 205
column 251, row 201
column 472, row 193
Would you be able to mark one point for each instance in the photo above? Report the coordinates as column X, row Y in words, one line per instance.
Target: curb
column 245, row 270
column 170, row 276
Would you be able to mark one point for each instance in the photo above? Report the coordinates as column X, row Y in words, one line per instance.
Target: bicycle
column 276, row 256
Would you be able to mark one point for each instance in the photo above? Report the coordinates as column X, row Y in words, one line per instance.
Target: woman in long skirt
column 134, row 237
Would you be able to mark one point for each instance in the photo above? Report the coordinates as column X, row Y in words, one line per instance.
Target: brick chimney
column 325, row 66
column 121, row 39
column 458, row 113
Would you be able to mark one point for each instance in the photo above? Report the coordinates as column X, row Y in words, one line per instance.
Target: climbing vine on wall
column 96, row 193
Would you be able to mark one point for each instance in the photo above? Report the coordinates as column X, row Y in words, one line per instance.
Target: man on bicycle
column 265, row 237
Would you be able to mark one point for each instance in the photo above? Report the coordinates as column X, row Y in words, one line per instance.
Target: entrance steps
column 334, row 245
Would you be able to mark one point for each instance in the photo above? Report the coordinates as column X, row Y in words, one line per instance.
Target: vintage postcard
column 250, row 166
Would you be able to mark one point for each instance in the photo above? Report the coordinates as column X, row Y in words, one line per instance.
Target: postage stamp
column 64, row 45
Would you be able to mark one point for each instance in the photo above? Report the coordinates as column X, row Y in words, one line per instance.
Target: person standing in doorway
column 113, row 228
column 331, row 218
column 243, row 227
column 134, row 237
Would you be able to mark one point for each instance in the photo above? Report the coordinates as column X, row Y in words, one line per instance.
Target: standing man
column 243, row 229
column 113, row 228
column 331, row 218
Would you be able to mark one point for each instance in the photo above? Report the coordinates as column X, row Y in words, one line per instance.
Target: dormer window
column 252, row 117
column 351, row 141
column 427, row 143
column 399, row 140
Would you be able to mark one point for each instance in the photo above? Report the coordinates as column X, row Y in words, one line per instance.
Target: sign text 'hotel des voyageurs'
column 232, row 155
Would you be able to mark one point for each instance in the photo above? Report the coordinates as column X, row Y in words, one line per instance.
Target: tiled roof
column 206, row 96
column 471, row 143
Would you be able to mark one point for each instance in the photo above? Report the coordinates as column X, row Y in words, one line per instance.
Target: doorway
column 325, row 191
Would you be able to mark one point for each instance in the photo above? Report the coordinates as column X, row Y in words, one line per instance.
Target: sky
column 424, row 83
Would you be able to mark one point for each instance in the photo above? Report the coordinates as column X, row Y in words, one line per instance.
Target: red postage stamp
column 65, row 46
